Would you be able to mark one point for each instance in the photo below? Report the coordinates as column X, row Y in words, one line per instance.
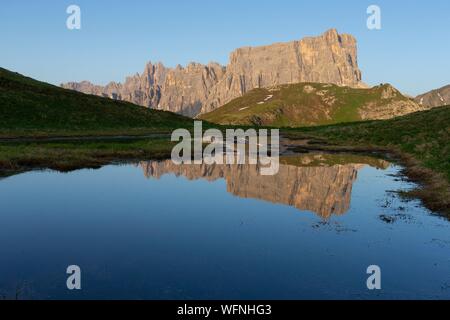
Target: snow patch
column 270, row 96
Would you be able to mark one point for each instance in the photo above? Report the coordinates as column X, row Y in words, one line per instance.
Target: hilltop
column 32, row 108
column 311, row 104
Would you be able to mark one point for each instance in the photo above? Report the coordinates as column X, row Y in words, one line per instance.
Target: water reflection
column 321, row 183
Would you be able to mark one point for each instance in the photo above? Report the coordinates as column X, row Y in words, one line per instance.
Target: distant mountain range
column 312, row 81
column 435, row 98
column 197, row 89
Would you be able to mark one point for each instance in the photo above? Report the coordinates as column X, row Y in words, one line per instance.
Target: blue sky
column 117, row 38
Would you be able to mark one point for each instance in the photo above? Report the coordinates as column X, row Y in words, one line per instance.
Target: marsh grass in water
column 66, row 156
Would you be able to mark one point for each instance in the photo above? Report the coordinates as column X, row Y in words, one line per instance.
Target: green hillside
column 310, row 104
column 33, row 108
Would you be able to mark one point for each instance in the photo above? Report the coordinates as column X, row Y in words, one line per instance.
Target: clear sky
column 117, row 38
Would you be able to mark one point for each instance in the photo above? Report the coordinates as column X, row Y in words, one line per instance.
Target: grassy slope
column 294, row 106
column 423, row 140
column 33, row 108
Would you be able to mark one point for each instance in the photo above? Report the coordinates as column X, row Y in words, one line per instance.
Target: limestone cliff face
column 180, row 90
column 330, row 58
column 435, row 98
column 197, row 88
column 323, row 190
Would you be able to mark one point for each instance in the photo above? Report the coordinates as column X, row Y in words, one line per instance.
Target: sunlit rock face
column 198, row 88
column 325, row 190
column 435, row 98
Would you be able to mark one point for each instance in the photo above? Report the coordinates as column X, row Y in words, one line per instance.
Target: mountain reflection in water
column 321, row 183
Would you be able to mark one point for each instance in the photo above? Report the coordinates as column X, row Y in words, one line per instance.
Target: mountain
column 197, row 88
column 308, row 182
column 435, row 98
column 28, row 105
column 307, row 104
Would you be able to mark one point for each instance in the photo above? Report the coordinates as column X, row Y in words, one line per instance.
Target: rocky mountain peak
column 196, row 88
column 435, row 98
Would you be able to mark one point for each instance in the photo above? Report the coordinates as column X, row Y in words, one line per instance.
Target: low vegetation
column 71, row 155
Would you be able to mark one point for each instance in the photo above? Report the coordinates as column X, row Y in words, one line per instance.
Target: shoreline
column 433, row 187
column 66, row 155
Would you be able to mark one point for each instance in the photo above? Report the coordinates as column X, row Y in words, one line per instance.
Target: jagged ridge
column 197, row 88
column 435, row 98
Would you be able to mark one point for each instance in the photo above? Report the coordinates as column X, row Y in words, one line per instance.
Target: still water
column 154, row 230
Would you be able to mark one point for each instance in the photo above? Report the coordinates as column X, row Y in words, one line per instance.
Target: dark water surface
column 155, row 230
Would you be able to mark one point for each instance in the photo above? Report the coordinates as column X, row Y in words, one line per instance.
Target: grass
column 30, row 108
column 304, row 104
column 67, row 156
column 421, row 141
